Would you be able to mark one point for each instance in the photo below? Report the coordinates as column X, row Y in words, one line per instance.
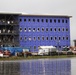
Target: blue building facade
column 44, row 30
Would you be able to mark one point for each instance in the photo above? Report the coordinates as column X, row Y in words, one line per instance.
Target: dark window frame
column 62, row 20
column 24, row 20
column 20, row 20
column 58, row 20
column 54, row 20
column 50, row 20
column 46, row 20
column 51, row 29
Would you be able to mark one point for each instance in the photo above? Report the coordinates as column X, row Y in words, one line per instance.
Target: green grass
column 36, row 57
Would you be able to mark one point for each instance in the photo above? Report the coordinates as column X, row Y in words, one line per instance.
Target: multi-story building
column 33, row 31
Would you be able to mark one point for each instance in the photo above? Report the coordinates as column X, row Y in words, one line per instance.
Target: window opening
column 63, row 38
column 58, row 21
column 50, row 20
column 37, row 20
column 38, row 38
column 55, row 38
column 25, row 29
column 58, row 29
column 46, row 20
column 42, row 29
column 46, row 38
column 42, row 20
column 42, row 37
column 24, row 19
column 66, row 38
column 34, row 38
column 66, row 21
column 29, row 29
column 66, row 29
column 20, row 29
column 29, row 19
column 54, row 20
column 34, row 29
column 34, row 47
column 51, row 38
column 25, row 38
column 59, row 38
column 33, row 20
column 20, row 20
column 55, row 29
column 20, row 38
column 50, row 29
column 29, row 38
column 46, row 29
column 63, row 29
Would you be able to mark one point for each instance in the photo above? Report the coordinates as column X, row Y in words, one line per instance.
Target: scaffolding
column 9, row 30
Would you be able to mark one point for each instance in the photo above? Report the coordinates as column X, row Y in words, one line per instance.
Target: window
column 29, row 38
column 38, row 29
column 42, row 37
column 38, row 38
column 24, row 19
column 46, row 38
column 34, row 38
column 59, row 38
column 46, row 29
column 63, row 38
column 54, row 20
column 20, row 38
column 37, row 20
column 33, row 20
column 59, row 46
column 20, row 29
column 58, row 29
column 50, row 20
column 42, row 29
column 66, row 29
column 66, row 38
column 25, row 38
column 62, row 21
column 29, row 19
column 50, row 29
column 42, row 20
column 51, row 38
column 30, row 47
column 34, row 29
column 34, row 47
column 55, row 38
column 66, row 21
column 46, row 20
column 20, row 20
column 62, row 29
column 58, row 21
column 25, row 29
column 29, row 29
column 55, row 29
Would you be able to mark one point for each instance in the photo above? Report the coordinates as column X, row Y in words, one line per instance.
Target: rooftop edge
column 25, row 14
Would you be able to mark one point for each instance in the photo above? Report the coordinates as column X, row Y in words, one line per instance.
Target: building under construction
column 9, row 29
column 32, row 31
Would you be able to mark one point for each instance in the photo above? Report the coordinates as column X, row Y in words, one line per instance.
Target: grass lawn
column 36, row 57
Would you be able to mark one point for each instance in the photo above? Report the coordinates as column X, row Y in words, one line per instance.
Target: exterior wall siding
column 44, row 31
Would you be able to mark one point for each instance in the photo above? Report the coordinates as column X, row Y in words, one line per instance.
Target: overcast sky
column 59, row 7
